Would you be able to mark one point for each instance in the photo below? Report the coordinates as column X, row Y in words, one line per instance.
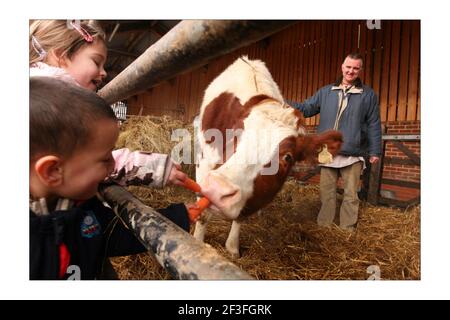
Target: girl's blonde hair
column 60, row 37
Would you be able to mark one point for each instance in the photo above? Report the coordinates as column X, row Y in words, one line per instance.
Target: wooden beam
column 123, row 52
column 400, row 203
column 403, row 73
column 374, row 182
column 189, row 45
column 414, row 72
column 138, row 38
column 405, row 162
column 394, row 69
column 414, row 201
column 138, row 33
column 414, row 157
column 127, row 26
column 400, row 183
column 159, row 29
column 375, row 175
column 130, row 47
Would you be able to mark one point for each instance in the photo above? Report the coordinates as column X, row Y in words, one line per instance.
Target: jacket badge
column 90, row 226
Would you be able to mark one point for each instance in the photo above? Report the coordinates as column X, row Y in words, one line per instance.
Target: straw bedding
column 284, row 241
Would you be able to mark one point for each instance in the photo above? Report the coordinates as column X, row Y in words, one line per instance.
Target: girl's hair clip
column 86, row 35
column 38, row 48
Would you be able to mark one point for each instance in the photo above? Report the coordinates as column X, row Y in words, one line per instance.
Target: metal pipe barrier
column 183, row 256
column 190, row 44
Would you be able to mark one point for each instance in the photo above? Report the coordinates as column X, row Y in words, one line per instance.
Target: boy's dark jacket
column 90, row 234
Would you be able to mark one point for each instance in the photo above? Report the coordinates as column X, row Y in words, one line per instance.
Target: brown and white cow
column 245, row 99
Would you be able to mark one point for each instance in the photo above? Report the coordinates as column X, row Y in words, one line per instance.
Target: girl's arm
column 141, row 168
column 144, row 168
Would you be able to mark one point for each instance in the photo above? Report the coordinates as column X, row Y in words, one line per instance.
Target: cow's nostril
column 222, row 193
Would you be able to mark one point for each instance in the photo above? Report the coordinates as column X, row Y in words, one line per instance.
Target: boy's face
column 86, row 66
column 90, row 164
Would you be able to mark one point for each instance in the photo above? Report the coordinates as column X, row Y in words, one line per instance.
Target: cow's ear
column 308, row 147
column 333, row 139
column 305, row 148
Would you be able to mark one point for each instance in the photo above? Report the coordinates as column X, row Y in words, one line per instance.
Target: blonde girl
column 75, row 50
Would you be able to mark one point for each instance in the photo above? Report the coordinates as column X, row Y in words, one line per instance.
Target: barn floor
column 284, row 241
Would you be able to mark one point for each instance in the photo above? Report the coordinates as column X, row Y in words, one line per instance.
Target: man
column 352, row 108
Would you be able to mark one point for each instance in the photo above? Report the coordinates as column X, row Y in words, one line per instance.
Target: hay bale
column 153, row 134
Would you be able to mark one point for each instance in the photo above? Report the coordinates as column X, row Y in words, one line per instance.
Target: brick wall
column 401, row 172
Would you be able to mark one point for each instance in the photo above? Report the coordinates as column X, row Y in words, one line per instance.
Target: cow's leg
column 200, row 226
column 232, row 243
column 200, row 230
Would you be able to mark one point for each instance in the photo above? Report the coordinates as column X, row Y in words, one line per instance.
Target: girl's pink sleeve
column 140, row 168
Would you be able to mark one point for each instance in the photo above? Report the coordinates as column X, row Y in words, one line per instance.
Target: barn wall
column 307, row 56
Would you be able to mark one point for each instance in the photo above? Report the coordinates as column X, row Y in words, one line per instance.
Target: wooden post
column 376, row 173
column 365, row 181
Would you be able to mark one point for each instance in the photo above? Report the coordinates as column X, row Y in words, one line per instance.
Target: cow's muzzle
column 223, row 194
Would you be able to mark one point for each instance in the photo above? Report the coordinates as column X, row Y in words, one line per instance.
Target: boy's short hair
column 62, row 116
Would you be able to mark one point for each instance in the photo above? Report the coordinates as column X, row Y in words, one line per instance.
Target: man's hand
column 374, row 159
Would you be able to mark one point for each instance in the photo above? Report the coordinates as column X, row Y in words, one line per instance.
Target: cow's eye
column 288, row 158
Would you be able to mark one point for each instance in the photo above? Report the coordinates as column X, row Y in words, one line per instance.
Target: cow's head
column 271, row 141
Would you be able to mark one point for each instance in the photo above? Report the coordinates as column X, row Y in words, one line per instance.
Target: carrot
column 191, row 185
column 201, row 205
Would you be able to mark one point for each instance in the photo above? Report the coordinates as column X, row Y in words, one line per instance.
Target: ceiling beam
column 189, row 45
column 123, row 52
column 127, row 26
column 159, row 29
column 138, row 38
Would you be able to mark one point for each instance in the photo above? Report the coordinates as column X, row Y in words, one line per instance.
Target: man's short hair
column 355, row 56
column 62, row 116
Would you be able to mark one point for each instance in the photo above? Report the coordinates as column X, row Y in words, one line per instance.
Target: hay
column 153, row 134
column 284, row 242
column 300, row 249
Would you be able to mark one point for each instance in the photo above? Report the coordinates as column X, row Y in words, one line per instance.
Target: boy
column 72, row 134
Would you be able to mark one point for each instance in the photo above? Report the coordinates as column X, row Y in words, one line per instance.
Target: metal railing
column 183, row 256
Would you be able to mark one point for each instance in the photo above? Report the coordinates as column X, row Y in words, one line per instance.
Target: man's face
column 350, row 70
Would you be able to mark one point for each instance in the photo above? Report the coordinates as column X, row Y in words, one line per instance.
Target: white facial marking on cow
column 275, row 124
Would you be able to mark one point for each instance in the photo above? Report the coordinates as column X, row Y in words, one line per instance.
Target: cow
column 245, row 99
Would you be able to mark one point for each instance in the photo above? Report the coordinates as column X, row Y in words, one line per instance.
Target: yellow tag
column 324, row 156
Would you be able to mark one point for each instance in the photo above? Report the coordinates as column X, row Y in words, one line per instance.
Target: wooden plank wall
column 304, row 58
